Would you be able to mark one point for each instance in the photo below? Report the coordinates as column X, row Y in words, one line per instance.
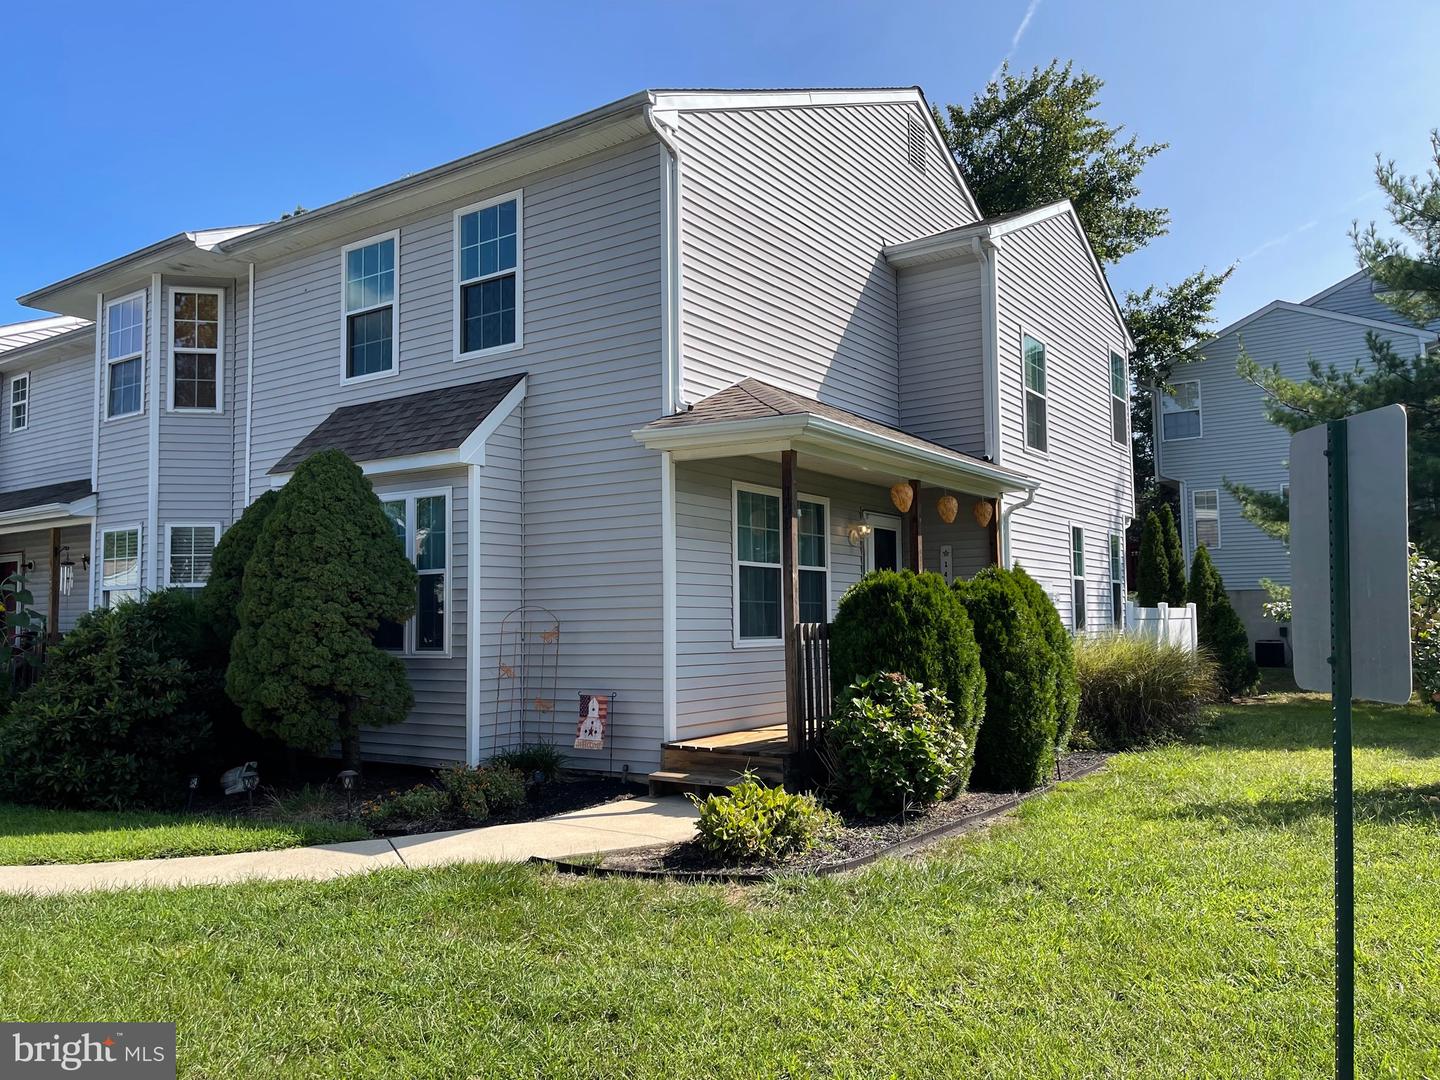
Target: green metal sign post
column 1338, row 453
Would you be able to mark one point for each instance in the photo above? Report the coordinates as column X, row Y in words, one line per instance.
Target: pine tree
column 1220, row 630
column 1174, row 557
column 325, row 572
column 1153, row 584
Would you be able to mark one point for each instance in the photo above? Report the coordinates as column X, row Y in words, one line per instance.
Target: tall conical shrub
column 1221, row 632
column 1062, row 649
column 1152, row 584
column 1174, row 558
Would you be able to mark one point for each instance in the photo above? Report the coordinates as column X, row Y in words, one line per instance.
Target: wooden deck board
column 770, row 740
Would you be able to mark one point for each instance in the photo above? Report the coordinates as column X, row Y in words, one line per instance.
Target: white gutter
column 249, row 378
column 82, row 509
column 672, row 377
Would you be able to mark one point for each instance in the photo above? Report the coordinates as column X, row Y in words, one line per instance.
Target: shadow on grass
column 1387, row 805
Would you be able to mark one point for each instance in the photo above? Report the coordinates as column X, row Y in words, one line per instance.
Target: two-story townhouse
column 642, row 391
column 1213, row 427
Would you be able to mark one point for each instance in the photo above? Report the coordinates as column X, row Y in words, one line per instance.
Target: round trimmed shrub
column 893, row 746
column 911, row 624
column 1062, row 652
column 1015, row 750
column 755, row 823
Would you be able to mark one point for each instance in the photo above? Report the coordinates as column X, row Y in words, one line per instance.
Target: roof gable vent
column 914, row 144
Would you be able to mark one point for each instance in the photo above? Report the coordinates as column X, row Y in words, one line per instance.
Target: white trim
column 249, row 377
column 889, row 522
column 1199, row 410
column 409, row 496
column 989, row 255
column 1393, row 328
column 672, row 278
column 10, row 401
column 152, row 493
column 218, row 350
column 33, row 517
column 1195, row 517
column 1123, row 397
column 393, row 304
column 96, row 413
column 170, row 527
column 472, row 450
column 1025, row 392
column 457, row 284
column 737, row 486
column 103, row 345
column 669, row 589
column 138, row 529
column 474, row 617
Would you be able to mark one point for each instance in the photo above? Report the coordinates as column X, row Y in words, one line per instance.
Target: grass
column 30, row 835
column 1169, row 917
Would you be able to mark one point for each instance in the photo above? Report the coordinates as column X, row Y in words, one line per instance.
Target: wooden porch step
column 722, row 763
column 671, row 781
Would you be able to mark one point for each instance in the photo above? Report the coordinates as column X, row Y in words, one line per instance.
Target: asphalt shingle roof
column 63, row 492
column 422, row 423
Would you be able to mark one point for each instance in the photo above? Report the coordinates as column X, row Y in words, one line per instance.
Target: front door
column 882, row 546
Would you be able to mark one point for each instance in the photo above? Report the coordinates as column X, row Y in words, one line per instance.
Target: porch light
column 948, row 507
column 858, row 533
column 902, row 495
column 983, row 511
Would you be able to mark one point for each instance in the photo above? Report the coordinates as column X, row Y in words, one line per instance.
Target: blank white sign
column 1379, row 570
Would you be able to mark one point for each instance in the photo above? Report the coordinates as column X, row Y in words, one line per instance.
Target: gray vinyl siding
column 1048, row 288
column 591, row 494
column 59, row 439
column 1239, row 444
column 785, row 214
column 1357, row 297
column 34, row 546
column 942, row 393
column 720, row 687
column 501, row 550
column 123, row 477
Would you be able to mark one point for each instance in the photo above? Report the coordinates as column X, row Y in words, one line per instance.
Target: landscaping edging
column 755, row 877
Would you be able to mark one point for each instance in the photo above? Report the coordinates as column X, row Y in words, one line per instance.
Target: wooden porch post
column 52, row 619
column 995, row 554
column 917, row 561
column 790, row 595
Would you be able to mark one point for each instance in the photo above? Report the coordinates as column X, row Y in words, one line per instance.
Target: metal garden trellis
column 529, row 662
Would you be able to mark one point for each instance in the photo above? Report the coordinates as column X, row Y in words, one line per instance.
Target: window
column 189, row 549
column 758, row 585
column 1180, row 412
column 1117, row 580
column 195, row 349
column 488, row 273
column 120, row 566
column 1077, row 577
column 369, row 291
column 421, row 523
column 1119, row 400
column 125, row 356
column 1036, row 433
column 1205, row 517
column 19, row 402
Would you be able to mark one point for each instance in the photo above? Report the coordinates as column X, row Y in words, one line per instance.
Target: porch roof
column 756, row 418
column 426, row 430
column 48, row 502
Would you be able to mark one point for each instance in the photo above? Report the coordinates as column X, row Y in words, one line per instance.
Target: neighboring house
column 588, row 371
column 1213, row 427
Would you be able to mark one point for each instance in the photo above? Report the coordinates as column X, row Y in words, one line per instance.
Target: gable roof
column 65, row 491
column 1394, row 328
column 430, row 422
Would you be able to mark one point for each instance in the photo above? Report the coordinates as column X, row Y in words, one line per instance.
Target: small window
column 1119, row 400
column 758, row 584
column 20, row 402
column 1117, row 580
column 1180, row 412
column 421, row 524
column 1205, row 517
column 488, row 272
column 189, row 550
column 369, row 291
column 120, row 566
column 195, row 349
column 1077, row 577
column 125, row 356
column 1036, row 429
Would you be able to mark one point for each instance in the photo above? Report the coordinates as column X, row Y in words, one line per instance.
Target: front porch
column 780, row 504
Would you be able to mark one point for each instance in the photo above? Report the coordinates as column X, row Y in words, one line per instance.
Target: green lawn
column 29, row 835
column 1169, row 917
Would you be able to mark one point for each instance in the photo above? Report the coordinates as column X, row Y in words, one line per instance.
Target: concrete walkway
column 609, row 827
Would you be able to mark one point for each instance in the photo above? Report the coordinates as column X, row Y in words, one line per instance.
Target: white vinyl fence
column 1176, row 625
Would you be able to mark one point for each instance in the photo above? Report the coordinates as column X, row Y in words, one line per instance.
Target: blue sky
column 122, row 124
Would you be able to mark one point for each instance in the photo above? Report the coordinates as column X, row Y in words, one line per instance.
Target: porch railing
column 812, row 646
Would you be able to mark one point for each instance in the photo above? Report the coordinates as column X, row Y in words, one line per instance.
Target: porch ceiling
column 755, row 419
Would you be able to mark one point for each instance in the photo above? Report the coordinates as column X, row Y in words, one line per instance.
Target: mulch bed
column 560, row 796
column 859, row 841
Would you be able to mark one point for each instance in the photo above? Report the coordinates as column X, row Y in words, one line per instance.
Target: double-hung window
column 488, row 275
column 1205, row 517
column 1180, row 412
column 421, row 523
column 120, row 564
column 1077, row 577
column 19, row 402
column 195, row 333
column 1037, row 435
column 1119, row 400
column 125, row 356
column 1117, row 580
column 189, row 549
column 758, row 584
column 368, row 294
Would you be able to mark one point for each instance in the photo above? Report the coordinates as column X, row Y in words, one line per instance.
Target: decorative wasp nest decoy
column 983, row 511
column 902, row 494
column 947, row 508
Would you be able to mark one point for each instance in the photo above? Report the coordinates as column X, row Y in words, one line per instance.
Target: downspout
column 152, row 540
column 249, row 377
column 986, row 253
column 1005, row 512
column 96, row 415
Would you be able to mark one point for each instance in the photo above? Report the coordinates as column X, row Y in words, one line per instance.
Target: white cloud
column 1283, row 238
column 1015, row 38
